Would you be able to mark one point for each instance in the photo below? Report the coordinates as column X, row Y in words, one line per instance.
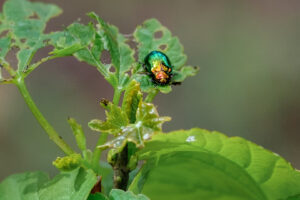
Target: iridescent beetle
column 159, row 67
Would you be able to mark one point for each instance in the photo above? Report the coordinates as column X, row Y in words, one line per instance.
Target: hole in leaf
column 11, row 57
column 162, row 47
column 23, row 40
column 133, row 45
column 158, row 34
column 4, row 33
column 112, row 69
column 5, row 74
column 34, row 16
column 46, row 42
column 129, row 73
column 105, row 57
column 41, row 53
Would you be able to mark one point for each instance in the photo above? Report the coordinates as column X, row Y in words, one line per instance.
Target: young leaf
column 198, row 164
column 75, row 185
column 147, row 40
column 131, row 100
column 78, row 133
column 147, row 116
column 115, row 120
column 147, row 123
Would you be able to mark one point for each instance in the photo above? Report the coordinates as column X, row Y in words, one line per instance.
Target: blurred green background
column 248, row 84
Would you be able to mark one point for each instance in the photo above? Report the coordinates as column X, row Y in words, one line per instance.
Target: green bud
column 67, row 163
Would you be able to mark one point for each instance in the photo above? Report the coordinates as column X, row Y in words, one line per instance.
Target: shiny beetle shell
column 159, row 67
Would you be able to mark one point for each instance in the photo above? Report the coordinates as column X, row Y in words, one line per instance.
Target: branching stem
column 53, row 135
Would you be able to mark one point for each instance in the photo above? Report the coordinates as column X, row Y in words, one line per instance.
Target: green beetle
column 159, row 67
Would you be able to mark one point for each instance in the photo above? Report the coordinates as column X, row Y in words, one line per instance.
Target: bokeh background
column 248, row 84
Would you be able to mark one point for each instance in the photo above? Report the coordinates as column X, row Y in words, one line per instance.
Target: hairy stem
column 53, row 135
column 97, row 152
column 151, row 96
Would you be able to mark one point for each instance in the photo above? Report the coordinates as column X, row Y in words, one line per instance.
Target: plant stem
column 121, row 171
column 97, row 152
column 53, row 135
column 35, row 65
column 8, row 68
column 151, row 95
column 117, row 96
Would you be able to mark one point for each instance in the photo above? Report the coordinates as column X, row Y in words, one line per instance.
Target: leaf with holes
column 198, row 164
column 72, row 40
column 25, row 23
column 145, row 36
column 108, row 38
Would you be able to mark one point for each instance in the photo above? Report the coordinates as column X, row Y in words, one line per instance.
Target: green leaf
column 297, row 197
column 78, row 133
column 74, row 39
column 184, row 73
column 116, row 194
column 109, row 36
column 131, row 100
column 67, row 51
column 148, row 118
column 22, row 186
column 121, row 54
column 147, row 42
column 75, row 185
column 25, row 23
column 4, row 46
column 106, row 172
column 115, row 120
column 147, row 123
column 145, row 36
column 97, row 196
column 24, row 56
column 198, row 164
